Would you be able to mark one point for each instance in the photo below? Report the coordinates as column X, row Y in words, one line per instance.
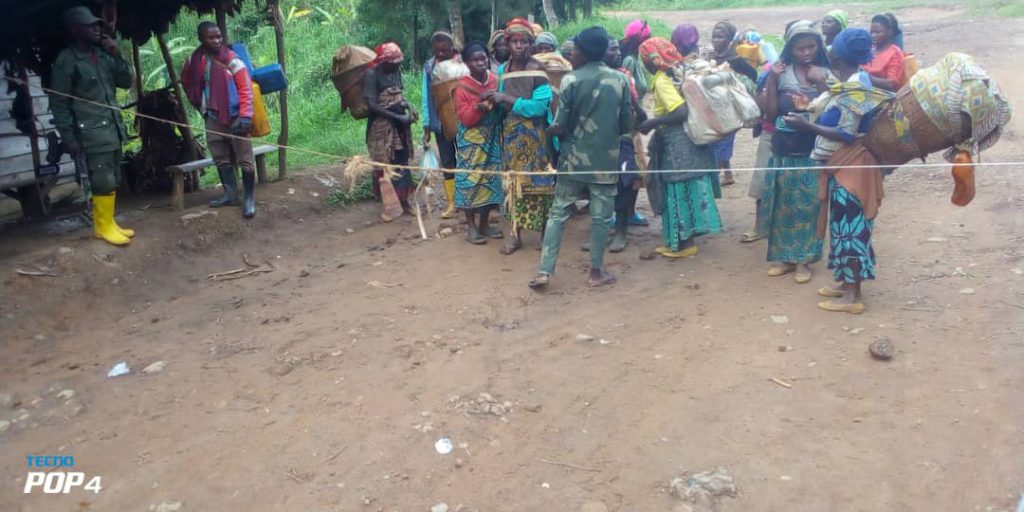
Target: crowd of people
column 816, row 96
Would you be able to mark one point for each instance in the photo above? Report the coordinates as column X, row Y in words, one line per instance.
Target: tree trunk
column 494, row 15
column 282, row 136
column 549, row 13
column 588, row 8
column 222, row 23
column 186, row 131
column 137, row 63
column 455, row 18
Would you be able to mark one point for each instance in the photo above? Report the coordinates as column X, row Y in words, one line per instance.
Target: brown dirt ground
column 316, row 386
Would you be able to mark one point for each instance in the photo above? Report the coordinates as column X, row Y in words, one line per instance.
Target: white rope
column 383, row 165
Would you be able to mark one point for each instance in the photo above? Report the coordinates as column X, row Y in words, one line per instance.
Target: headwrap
column 567, row 48
column 853, row 46
column 495, row 36
column 728, row 27
column 442, row 35
column 473, row 47
column 841, row 17
column 660, row 53
column 592, row 43
column 798, row 30
column 547, row 38
column 638, row 31
column 730, row 34
column 519, row 26
column 389, row 53
column 686, row 36
column 537, row 29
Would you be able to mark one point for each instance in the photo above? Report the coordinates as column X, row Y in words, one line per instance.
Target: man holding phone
column 85, row 78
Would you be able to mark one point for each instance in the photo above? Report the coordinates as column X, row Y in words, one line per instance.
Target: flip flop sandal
column 802, row 277
column 608, row 279
column 750, row 236
column 511, row 245
column 853, row 309
column 539, row 281
column 689, row 252
column 477, row 240
column 494, row 233
column 830, row 292
column 781, row 271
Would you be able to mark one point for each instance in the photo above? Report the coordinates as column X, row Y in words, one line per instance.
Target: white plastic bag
column 718, row 106
column 428, row 162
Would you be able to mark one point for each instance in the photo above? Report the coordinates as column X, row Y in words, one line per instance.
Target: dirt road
column 325, row 383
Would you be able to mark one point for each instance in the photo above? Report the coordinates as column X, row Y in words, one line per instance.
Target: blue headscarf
column 853, row 46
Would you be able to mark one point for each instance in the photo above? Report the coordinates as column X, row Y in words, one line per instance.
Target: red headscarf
column 660, row 53
column 388, row 52
column 520, row 26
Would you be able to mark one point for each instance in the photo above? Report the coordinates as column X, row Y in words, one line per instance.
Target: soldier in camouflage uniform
column 86, row 75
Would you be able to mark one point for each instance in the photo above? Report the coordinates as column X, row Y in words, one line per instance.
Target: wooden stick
column 186, row 132
column 1012, row 304
column 33, row 273
column 567, row 465
column 781, row 383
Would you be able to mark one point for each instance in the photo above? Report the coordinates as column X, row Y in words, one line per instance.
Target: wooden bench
column 179, row 171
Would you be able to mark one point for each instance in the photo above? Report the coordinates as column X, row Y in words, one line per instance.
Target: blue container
column 243, row 53
column 271, row 78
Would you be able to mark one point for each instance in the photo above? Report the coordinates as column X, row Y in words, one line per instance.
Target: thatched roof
column 31, row 33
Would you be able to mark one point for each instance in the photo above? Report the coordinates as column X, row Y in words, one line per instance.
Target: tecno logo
column 54, row 481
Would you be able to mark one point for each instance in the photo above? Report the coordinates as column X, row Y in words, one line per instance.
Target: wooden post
column 455, row 19
column 186, row 131
column 282, row 137
column 222, row 22
column 137, row 63
column 549, row 13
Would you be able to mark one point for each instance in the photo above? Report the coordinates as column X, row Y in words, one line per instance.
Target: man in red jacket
column 218, row 85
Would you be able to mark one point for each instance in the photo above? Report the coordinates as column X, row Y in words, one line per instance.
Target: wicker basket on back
column 348, row 69
column 925, row 138
column 444, row 102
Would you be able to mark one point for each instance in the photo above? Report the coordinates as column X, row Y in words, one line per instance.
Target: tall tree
column 549, row 13
column 588, row 8
column 455, row 18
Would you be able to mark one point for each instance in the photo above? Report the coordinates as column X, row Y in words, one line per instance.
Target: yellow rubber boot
column 128, row 232
column 103, row 220
column 449, row 194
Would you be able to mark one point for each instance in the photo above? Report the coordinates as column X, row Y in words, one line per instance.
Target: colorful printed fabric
column 531, row 212
column 689, row 211
column 525, row 149
column 789, row 210
column 850, row 233
column 479, row 148
column 521, row 27
column 637, row 30
column 660, row 53
column 955, row 85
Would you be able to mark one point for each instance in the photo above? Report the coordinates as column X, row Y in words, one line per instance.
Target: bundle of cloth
column 957, row 85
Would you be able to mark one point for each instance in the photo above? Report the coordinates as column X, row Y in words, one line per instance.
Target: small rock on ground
column 882, row 349
column 156, row 367
column 440, row 507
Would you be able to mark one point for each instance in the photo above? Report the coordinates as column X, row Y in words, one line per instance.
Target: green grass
column 315, row 120
column 614, row 26
column 999, row 8
column 701, row 5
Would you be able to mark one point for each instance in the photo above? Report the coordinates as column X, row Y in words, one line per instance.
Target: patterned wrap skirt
column 789, row 210
column 850, row 233
column 525, row 149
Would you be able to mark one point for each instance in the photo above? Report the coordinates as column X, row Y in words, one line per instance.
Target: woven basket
column 444, row 102
column 555, row 77
column 885, row 144
column 350, row 87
